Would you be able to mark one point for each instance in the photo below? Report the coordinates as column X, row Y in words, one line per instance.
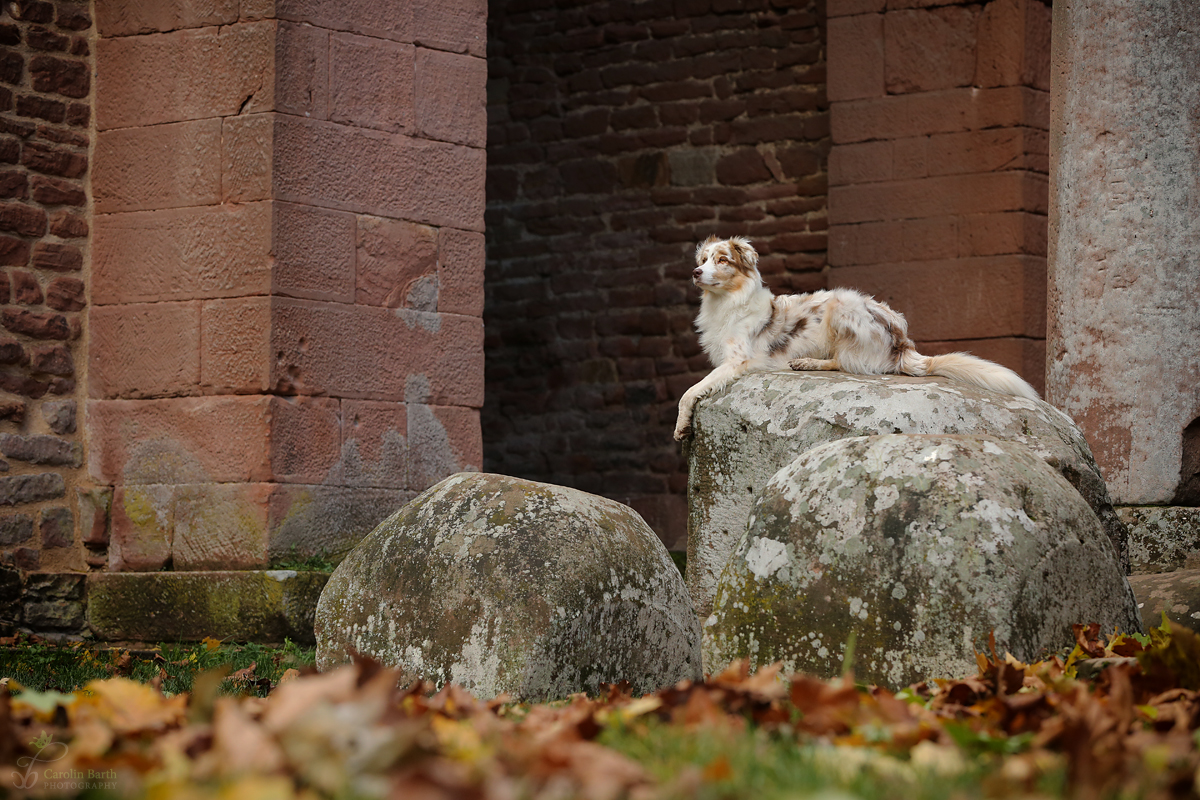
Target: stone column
column 1124, row 255
column 286, row 337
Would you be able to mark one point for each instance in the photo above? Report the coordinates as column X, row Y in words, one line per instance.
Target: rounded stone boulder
column 921, row 546
column 506, row 585
column 746, row 433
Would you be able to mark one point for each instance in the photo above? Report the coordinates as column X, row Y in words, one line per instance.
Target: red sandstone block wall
column 285, row 338
column 938, row 169
column 45, row 117
column 621, row 135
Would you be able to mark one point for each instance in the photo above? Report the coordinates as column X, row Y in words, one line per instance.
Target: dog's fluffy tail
column 969, row 369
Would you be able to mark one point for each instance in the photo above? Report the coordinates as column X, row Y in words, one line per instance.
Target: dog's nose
column 696, row 273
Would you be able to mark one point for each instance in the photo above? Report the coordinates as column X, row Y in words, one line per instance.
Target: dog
column 744, row 327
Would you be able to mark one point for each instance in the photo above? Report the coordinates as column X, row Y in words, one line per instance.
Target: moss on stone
column 757, row 425
column 139, row 507
column 509, row 585
column 921, row 546
column 260, row 606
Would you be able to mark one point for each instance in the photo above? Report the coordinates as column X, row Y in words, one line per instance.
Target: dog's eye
column 722, row 260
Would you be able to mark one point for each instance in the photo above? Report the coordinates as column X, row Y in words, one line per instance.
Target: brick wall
column 620, row 134
column 45, row 121
column 938, row 171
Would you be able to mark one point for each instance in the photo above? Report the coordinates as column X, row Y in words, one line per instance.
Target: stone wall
column 286, row 340
column 278, row 315
column 620, row 135
column 45, row 122
column 938, row 187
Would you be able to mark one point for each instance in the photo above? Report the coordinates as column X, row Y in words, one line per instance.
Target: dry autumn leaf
column 356, row 732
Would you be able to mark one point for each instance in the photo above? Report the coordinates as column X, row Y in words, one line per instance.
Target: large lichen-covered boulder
column 506, row 585
column 921, row 546
column 761, row 422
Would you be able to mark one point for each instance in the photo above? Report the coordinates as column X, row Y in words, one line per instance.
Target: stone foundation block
column 259, row 606
column 199, row 526
column 326, row 521
column 220, row 526
column 1176, row 593
column 95, row 506
column 1162, row 538
column 142, row 528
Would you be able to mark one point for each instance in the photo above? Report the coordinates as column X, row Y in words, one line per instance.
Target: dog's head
column 726, row 265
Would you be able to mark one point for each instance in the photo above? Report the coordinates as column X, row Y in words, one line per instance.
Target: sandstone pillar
column 1125, row 240
column 286, row 338
column 1124, row 269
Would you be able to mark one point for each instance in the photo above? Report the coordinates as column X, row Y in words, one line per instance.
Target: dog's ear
column 703, row 246
column 747, row 256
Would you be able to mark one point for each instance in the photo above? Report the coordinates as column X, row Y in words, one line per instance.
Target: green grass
column 717, row 762
column 680, row 559
column 319, row 562
column 41, row 667
column 725, row 758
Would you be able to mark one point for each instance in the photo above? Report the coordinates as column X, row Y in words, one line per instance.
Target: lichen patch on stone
column 744, row 434
column 967, row 539
column 506, row 585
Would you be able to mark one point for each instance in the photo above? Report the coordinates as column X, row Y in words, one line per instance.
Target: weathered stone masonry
column 295, row 222
column 45, row 121
column 938, row 189
column 284, row 338
column 272, row 289
column 1124, row 316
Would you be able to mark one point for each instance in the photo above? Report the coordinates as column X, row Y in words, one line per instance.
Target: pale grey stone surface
column 1123, row 267
column 506, row 585
column 1176, row 593
column 744, row 434
column 921, row 546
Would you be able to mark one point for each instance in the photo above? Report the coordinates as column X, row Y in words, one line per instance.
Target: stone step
column 265, row 606
column 1176, row 592
column 244, row 606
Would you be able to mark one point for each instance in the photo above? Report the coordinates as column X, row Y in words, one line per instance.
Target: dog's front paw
column 804, row 364
column 682, row 431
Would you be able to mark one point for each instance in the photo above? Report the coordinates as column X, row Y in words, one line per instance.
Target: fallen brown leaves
column 353, row 732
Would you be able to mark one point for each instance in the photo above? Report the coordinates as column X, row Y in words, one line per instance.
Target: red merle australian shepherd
column 745, row 328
